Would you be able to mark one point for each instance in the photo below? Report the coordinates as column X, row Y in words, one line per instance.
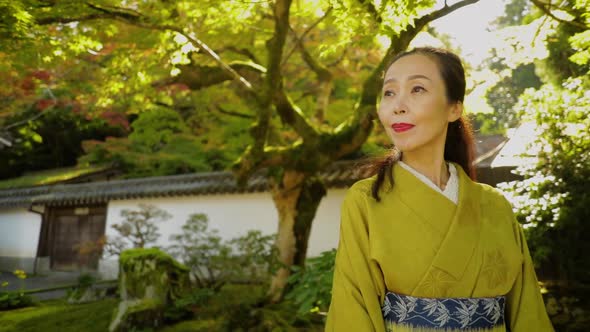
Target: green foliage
column 49, row 138
column 182, row 154
column 185, row 306
column 255, row 254
column 569, row 45
column 203, row 251
column 138, row 230
column 15, row 21
column 267, row 318
column 514, row 13
column 14, row 299
column 560, row 51
column 86, row 280
column 581, row 43
column 155, row 128
column 160, row 144
column 85, row 292
column 311, row 286
column 214, row 262
column 241, row 308
column 552, row 202
column 486, row 124
column 504, row 95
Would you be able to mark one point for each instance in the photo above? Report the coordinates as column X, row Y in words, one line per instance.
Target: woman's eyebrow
column 411, row 77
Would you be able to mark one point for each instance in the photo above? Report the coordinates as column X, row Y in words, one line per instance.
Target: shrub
column 15, row 299
column 188, row 304
column 214, row 262
column 138, row 230
column 552, row 201
column 311, row 287
column 85, row 291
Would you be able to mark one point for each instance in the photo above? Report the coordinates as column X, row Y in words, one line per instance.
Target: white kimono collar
column 451, row 190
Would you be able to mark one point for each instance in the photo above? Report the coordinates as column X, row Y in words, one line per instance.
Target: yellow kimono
column 419, row 245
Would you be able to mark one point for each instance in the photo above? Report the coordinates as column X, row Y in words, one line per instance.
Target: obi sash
column 403, row 313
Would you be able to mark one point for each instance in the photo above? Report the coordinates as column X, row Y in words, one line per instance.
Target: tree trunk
column 296, row 198
column 323, row 100
column 309, row 200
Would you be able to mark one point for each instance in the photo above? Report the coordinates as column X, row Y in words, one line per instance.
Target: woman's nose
column 399, row 107
column 399, row 110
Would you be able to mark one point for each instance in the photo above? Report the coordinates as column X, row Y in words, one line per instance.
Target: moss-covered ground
column 235, row 303
column 60, row 316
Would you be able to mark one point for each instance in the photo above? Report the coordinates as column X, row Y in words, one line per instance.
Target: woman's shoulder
column 492, row 196
column 362, row 188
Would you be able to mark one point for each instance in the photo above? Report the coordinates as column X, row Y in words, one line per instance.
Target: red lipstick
column 401, row 127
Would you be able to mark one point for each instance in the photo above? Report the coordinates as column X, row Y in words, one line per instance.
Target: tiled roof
column 339, row 174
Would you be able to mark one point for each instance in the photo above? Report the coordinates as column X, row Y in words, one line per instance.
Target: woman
column 422, row 246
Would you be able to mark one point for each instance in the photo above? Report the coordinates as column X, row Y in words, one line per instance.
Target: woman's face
column 414, row 109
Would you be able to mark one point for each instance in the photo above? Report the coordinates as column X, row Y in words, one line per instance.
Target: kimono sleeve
column 525, row 308
column 355, row 297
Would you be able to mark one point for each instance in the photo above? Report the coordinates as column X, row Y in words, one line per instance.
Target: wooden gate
column 74, row 237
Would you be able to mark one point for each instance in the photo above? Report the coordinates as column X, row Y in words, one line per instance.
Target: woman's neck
column 435, row 169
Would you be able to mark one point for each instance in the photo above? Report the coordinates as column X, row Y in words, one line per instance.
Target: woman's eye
column 418, row 89
column 388, row 93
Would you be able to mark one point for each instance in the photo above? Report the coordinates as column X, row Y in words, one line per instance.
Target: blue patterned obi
column 484, row 313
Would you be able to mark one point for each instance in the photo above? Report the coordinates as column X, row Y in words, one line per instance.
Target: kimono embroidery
column 494, row 268
column 443, row 314
column 437, row 283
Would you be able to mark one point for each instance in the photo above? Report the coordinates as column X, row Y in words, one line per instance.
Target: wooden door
column 76, row 233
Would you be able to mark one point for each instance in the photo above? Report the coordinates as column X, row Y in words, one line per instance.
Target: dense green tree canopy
column 286, row 85
column 212, row 63
column 552, row 201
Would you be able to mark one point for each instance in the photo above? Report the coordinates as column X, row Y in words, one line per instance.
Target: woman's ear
column 455, row 111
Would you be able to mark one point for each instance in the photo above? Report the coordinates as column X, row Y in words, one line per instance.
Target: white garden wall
column 233, row 216
column 19, row 230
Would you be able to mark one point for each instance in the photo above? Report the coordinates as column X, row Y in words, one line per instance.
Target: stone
column 149, row 281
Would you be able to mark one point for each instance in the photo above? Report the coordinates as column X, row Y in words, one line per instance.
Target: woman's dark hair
column 459, row 141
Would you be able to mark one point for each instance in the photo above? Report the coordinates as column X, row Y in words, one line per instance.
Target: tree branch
column 546, row 8
column 292, row 115
column 372, row 10
column 340, row 58
column 174, row 107
column 234, row 113
column 323, row 74
column 445, row 10
column 197, row 77
column 242, row 51
column 351, row 134
column 251, row 160
column 133, row 17
column 258, row 155
column 304, row 34
column 66, row 20
column 321, row 71
column 288, row 112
